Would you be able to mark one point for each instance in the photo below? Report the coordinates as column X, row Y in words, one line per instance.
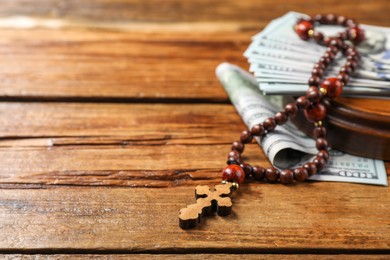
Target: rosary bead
column 314, row 81
column 246, row 137
column 330, row 55
column 238, row 146
column 315, row 112
column 300, row 174
column 356, row 35
column 319, row 65
column 333, row 87
column 258, row 130
column 302, row 102
column 233, row 173
column 233, row 160
column 269, row 124
column 331, row 19
column 324, row 154
column 319, row 132
column 343, row 77
column 310, row 168
column 318, row 37
column 341, row 20
column 234, row 154
column 313, row 94
column 352, row 64
column 286, row 176
column 247, row 169
column 319, row 18
column 281, row 118
column 258, row 173
column 272, row 174
column 291, row 109
column 345, row 69
column 324, row 60
column 317, row 72
column 321, row 144
column 303, row 28
column 333, row 49
column 342, row 36
column 350, row 23
column 319, row 162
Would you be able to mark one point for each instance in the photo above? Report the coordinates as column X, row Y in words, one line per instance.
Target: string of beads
column 312, row 103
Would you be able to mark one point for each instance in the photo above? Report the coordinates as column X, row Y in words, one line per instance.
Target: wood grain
column 191, row 256
column 153, row 145
column 315, row 217
column 87, row 180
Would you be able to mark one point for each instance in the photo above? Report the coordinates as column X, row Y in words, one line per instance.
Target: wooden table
column 111, row 114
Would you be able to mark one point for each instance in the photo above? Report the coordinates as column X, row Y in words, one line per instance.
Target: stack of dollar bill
column 282, row 62
column 286, row 146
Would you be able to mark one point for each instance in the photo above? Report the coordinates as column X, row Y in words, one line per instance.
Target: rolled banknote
column 287, row 146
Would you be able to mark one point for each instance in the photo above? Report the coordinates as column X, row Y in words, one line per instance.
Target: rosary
column 218, row 200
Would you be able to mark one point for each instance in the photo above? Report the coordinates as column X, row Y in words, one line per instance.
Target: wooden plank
column 143, row 145
column 205, row 10
column 43, row 64
column 191, row 256
column 157, row 56
column 150, row 145
column 315, row 217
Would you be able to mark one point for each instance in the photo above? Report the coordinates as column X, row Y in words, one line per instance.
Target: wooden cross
column 207, row 202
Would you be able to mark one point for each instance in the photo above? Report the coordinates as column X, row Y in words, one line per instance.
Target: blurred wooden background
column 111, row 114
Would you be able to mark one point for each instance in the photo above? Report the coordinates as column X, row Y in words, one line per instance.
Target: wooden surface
column 110, row 116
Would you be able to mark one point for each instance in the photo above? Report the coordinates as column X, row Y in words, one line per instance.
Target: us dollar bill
column 286, row 146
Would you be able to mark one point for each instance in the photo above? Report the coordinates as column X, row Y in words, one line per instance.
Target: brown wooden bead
column 350, row 22
column 280, row 118
column 318, row 36
column 343, row 77
column 333, row 86
column 319, row 65
column 325, row 60
column 314, row 81
column 331, row 19
column 319, row 132
column 333, row 49
column 317, row 72
column 246, row 137
column 321, row 144
column 286, row 176
column 258, row 130
column 342, row 36
column 341, row 20
column 345, row 69
column 258, row 173
column 319, row 162
column 302, row 102
column 247, row 169
column 319, row 18
column 302, row 28
column 329, row 55
column 313, row 94
column 234, row 154
column 238, row 146
column 272, row 174
column 352, row 64
column 356, row 34
column 291, row 109
column 324, row 154
column 269, row 124
column 300, row 174
column 233, row 172
column 233, row 160
column 310, row 168
column 315, row 112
